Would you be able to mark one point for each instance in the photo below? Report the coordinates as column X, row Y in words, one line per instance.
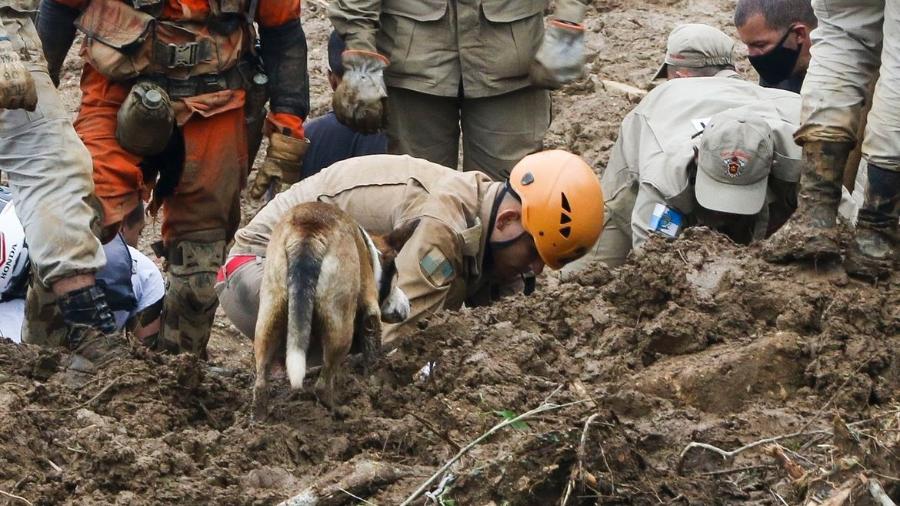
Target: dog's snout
column 396, row 307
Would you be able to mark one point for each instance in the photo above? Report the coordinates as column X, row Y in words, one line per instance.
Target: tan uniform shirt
column 652, row 158
column 441, row 265
column 438, row 47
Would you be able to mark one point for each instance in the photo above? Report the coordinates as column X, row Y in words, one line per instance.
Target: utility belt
column 235, row 78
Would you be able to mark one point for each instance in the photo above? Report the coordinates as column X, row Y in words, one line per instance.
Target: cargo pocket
column 412, row 35
column 116, row 39
column 513, row 33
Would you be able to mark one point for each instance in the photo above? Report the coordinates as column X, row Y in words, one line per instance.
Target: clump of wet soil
column 691, row 341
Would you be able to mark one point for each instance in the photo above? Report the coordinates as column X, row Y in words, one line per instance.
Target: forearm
column 284, row 56
column 56, row 28
column 357, row 21
column 572, row 11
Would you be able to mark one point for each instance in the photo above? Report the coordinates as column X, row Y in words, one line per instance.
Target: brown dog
column 325, row 280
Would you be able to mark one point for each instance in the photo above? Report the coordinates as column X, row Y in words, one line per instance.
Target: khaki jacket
column 652, row 159
column 441, row 265
column 442, row 47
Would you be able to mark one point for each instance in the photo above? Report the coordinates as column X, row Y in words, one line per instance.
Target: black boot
column 810, row 233
column 92, row 335
column 872, row 254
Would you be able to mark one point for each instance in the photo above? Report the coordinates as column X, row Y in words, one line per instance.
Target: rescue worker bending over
column 50, row 176
column 474, row 234
column 432, row 69
column 852, row 41
column 131, row 282
column 697, row 50
column 170, row 86
column 711, row 151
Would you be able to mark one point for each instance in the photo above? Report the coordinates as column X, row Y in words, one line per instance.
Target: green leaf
column 511, row 415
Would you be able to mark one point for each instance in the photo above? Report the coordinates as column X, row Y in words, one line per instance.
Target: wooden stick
column 878, row 493
column 16, row 497
column 729, row 454
column 83, row 404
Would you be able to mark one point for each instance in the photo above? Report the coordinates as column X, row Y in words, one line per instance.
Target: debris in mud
column 652, row 358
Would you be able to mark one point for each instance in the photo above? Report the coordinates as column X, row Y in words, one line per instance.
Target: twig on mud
column 878, row 493
column 776, row 496
column 358, row 498
column 794, row 470
column 579, row 475
column 18, row 498
column 80, row 405
column 54, row 466
column 554, row 392
column 723, row 472
column 540, row 409
column 730, row 454
column 441, row 434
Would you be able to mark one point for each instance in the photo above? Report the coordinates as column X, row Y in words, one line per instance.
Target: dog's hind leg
column 337, row 338
column 270, row 334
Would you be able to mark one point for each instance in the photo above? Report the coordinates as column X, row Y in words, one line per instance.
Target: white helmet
column 13, row 252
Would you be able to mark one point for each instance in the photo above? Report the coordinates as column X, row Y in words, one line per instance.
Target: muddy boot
column 92, row 335
column 190, row 303
column 810, row 234
column 874, row 249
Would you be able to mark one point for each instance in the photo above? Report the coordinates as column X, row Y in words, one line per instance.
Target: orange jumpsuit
column 207, row 198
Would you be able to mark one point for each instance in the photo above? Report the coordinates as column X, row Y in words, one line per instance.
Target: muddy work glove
column 17, row 89
column 560, row 59
column 359, row 101
column 283, row 162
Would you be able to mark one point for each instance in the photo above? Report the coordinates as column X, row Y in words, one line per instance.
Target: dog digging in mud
column 325, row 279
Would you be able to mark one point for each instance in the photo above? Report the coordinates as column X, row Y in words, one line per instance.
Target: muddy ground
column 696, row 341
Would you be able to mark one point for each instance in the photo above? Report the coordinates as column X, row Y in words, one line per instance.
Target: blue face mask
column 778, row 64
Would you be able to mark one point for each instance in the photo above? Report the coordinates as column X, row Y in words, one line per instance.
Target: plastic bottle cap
column 152, row 99
column 260, row 79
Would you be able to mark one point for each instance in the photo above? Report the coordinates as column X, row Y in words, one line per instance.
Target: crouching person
column 474, row 235
column 130, row 282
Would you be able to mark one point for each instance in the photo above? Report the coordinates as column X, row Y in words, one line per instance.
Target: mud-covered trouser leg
column 50, row 175
column 191, row 302
column 874, row 248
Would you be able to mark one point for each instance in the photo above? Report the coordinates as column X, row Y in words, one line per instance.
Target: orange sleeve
column 74, row 4
column 285, row 123
column 272, row 13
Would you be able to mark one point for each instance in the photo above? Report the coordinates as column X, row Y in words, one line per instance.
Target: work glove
column 17, row 89
column 560, row 59
column 359, row 101
column 283, row 162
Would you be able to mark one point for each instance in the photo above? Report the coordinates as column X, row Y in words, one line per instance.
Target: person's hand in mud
column 360, row 100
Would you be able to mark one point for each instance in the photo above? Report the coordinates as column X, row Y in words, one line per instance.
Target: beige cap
column 734, row 163
column 696, row 45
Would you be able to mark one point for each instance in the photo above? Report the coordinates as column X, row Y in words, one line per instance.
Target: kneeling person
column 131, row 282
column 474, row 234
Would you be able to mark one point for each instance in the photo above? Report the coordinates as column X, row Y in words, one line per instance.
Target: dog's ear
column 398, row 237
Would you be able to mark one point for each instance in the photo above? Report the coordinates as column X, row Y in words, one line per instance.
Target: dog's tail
column 304, row 266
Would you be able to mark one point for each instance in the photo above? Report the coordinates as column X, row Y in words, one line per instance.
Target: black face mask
column 776, row 65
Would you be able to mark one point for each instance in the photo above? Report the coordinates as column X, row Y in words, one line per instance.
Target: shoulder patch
column 436, row 267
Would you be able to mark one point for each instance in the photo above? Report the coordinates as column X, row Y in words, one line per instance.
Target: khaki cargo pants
column 846, row 54
column 49, row 173
column 497, row 131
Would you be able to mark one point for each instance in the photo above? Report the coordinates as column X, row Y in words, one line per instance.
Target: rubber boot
column 190, row 303
column 874, row 248
column 92, row 335
column 810, row 234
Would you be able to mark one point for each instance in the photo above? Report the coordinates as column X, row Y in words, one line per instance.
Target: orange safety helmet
column 562, row 204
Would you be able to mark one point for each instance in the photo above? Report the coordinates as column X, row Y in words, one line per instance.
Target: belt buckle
column 183, row 55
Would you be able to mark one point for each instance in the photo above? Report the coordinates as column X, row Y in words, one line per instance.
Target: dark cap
column 336, row 47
